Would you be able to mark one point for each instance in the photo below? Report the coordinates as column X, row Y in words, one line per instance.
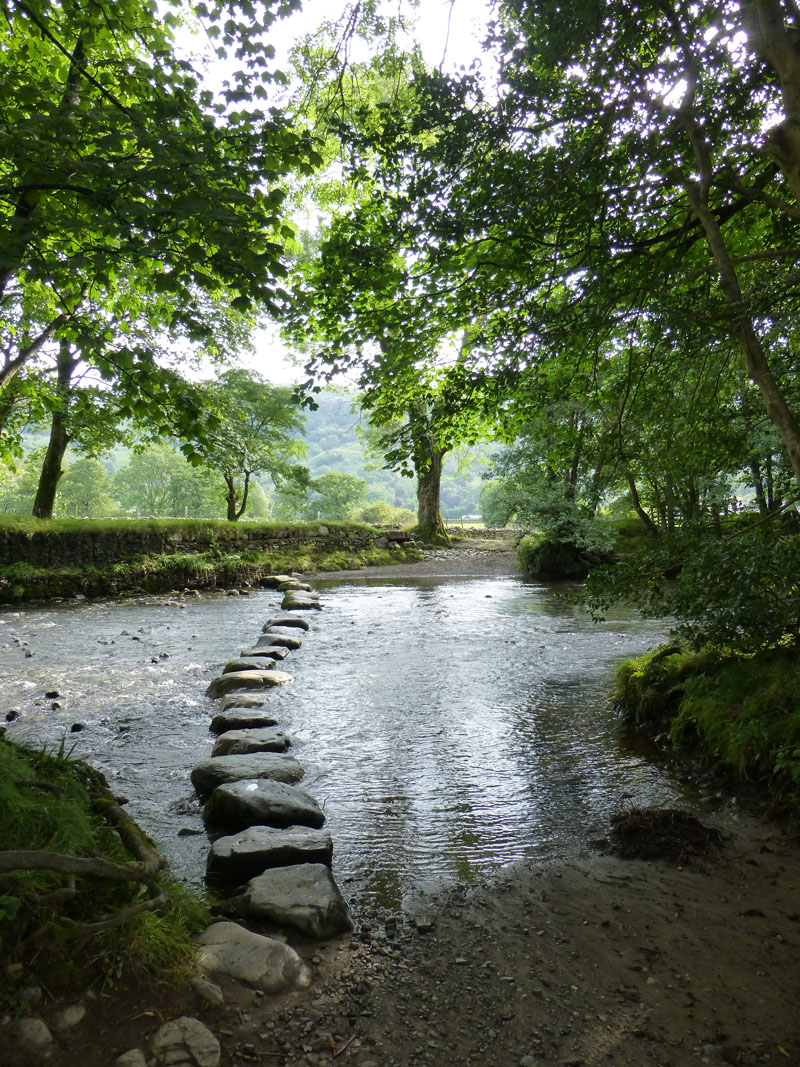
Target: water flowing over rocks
column 238, row 805
column 219, row 770
column 239, row 857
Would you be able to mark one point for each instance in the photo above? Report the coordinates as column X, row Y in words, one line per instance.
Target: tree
column 338, row 497
column 83, row 490
column 128, row 194
column 254, row 435
column 147, row 483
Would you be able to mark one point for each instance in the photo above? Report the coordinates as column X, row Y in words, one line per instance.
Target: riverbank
column 596, row 961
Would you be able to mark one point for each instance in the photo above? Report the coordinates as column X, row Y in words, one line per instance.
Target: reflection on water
column 448, row 726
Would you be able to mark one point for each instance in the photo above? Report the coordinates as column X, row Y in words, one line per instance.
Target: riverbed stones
column 274, row 651
column 304, row 896
column 279, row 637
column 255, row 679
column 242, row 700
column 239, row 857
column 287, row 620
column 242, row 742
column 185, row 1041
column 264, row 663
column 261, row 962
column 299, row 602
column 237, row 805
column 219, row 770
column 236, row 718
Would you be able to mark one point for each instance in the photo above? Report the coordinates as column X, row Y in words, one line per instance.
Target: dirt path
column 596, row 961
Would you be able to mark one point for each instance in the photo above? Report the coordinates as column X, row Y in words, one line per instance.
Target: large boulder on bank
column 242, row 742
column 261, row 962
column 255, row 679
column 237, row 805
column 219, row 770
column 263, row 663
column 287, row 620
column 241, row 719
column 239, row 857
column 280, row 638
column 304, row 896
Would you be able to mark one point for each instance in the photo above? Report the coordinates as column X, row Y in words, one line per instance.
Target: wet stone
column 242, row 700
column 241, row 719
column 273, row 651
column 242, row 742
column 295, row 602
column 286, row 620
column 245, row 855
column 277, row 636
column 265, row 663
column 219, row 770
column 304, row 896
column 237, row 805
column 254, row 679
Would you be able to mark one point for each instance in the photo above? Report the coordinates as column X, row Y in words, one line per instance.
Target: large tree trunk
column 59, row 437
column 236, row 510
column 429, row 516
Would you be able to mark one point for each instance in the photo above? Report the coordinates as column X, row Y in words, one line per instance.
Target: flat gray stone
column 262, row 663
column 219, row 770
column 33, row 1034
column 273, row 651
column 279, row 638
column 186, row 1041
column 286, row 620
column 262, row 962
column 295, row 583
column 242, row 700
column 134, row 1057
column 255, row 679
column 237, row 805
column 236, row 718
column 241, row 856
column 304, row 896
column 242, row 742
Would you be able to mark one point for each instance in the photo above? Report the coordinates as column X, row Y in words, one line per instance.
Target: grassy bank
column 740, row 712
column 113, row 558
column 81, row 890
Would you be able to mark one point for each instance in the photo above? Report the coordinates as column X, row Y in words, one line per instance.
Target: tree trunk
column 59, row 437
column 637, row 504
column 758, row 485
column 429, row 516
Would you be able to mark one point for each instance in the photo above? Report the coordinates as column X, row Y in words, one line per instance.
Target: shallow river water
column 448, row 724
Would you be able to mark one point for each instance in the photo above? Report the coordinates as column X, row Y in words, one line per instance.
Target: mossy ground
column 46, row 804
column 742, row 712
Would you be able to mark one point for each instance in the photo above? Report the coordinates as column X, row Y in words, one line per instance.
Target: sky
column 449, row 34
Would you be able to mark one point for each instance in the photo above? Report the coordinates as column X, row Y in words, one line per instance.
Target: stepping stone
column 280, row 639
column 241, row 719
column 286, row 620
column 254, row 679
column 304, row 896
column 261, row 962
column 241, row 856
column 242, row 700
column 219, row 770
column 238, row 805
column 294, row 602
column 294, row 583
column 242, row 742
column 265, row 663
column 273, row 651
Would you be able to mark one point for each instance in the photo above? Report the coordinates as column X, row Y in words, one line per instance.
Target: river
column 449, row 724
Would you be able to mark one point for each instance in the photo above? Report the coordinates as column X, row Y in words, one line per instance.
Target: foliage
column 83, row 489
column 336, row 497
column 740, row 710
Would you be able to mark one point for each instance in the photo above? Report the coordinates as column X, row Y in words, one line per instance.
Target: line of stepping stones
column 273, row 857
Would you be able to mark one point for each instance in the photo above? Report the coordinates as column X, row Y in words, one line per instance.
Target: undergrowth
column 740, row 710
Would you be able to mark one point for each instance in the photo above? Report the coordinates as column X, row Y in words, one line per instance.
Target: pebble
column 34, row 1034
column 133, row 1058
column 70, row 1016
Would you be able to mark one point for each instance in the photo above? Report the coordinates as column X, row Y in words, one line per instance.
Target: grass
column 742, row 712
column 46, row 805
